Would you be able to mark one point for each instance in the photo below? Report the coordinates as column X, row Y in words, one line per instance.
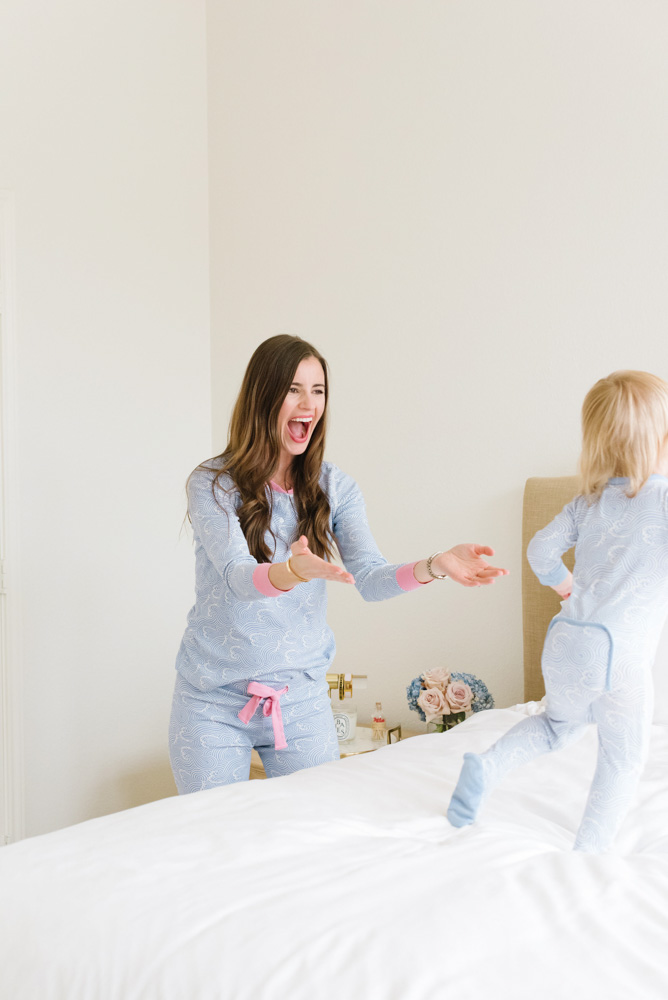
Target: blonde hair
column 624, row 427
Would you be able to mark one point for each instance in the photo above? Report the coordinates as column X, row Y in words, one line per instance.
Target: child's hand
column 565, row 588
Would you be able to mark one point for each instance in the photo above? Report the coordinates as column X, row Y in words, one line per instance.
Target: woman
column 268, row 515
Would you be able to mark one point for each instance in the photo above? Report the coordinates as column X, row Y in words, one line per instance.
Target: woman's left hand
column 465, row 564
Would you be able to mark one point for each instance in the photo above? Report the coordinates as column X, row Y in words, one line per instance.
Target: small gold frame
column 394, row 729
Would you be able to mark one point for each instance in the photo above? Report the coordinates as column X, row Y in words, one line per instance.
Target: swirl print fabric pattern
column 597, row 656
column 576, row 661
column 209, row 745
column 243, row 630
column 236, row 632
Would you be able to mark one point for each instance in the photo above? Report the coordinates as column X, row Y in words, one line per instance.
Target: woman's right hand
column 311, row 567
column 308, row 566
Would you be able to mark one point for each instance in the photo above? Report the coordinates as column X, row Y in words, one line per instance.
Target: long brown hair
column 254, row 445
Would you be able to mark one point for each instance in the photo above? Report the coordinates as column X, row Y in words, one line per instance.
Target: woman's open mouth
column 299, row 427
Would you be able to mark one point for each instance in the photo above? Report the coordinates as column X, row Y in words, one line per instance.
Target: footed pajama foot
column 469, row 792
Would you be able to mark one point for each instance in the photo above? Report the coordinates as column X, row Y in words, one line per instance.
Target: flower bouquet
column 444, row 699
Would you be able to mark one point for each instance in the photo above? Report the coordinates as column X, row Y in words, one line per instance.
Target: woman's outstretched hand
column 465, row 564
column 312, row 567
column 308, row 566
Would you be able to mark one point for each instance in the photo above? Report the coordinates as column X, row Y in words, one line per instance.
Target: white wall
column 463, row 205
column 103, row 142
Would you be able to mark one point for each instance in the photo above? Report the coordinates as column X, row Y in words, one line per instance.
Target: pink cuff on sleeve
column 262, row 582
column 406, row 577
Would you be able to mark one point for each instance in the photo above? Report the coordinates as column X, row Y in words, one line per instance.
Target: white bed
column 348, row 881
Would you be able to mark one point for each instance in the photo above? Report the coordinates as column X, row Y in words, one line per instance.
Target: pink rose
column 432, row 702
column 438, row 678
column 459, row 696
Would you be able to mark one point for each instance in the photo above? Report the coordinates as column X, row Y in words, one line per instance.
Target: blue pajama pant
column 209, row 745
column 590, row 677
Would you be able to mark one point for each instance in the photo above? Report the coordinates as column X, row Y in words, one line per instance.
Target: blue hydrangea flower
column 413, row 693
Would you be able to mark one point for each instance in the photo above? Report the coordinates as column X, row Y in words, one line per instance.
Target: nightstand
column 361, row 744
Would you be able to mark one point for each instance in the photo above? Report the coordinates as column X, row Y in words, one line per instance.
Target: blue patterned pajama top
column 241, row 627
column 621, row 560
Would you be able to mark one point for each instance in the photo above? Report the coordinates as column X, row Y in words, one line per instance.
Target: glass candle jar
column 345, row 719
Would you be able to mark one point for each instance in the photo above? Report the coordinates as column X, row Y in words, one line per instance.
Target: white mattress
column 347, row 881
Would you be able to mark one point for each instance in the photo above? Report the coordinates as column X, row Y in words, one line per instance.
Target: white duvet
column 346, row 881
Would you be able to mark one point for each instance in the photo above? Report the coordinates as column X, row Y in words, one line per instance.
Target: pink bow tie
column 272, row 707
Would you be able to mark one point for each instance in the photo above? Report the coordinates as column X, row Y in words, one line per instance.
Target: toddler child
column 598, row 652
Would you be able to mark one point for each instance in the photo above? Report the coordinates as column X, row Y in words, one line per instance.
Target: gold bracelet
column 435, row 576
column 302, row 579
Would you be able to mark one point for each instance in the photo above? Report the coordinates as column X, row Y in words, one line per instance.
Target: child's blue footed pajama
column 590, row 677
column 598, row 653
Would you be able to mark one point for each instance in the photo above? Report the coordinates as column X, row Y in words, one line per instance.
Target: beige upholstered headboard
column 543, row 498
